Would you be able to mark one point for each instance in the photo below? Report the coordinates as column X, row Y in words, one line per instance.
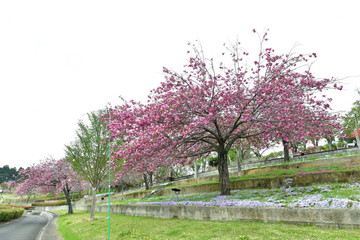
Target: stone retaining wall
column 255, row 183
column 300, row 180
column 334, row 218
column 290, row 165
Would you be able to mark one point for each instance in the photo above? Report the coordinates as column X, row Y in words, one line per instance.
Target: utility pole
column 109, row 180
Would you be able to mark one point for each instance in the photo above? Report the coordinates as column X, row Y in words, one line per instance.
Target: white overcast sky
column 62, row 59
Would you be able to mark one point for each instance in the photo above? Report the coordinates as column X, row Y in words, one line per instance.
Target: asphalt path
column 26, row 228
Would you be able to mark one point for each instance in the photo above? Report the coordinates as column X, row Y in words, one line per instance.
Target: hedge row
column 57, row 203
column 26, row 207
column 10, row 213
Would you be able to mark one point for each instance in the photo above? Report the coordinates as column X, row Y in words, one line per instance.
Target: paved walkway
column 25, row 228
column 51, row 230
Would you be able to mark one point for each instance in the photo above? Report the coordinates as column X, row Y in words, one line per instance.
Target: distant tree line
column 8, row 174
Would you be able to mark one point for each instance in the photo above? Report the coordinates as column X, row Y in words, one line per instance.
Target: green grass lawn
column 78, row 227
column 296, row 171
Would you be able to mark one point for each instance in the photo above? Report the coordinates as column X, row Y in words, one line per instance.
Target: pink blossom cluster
column 49, row 176
column 11, row 184
column 352, row 163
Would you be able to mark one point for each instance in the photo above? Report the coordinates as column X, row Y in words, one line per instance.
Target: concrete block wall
column 334, row 218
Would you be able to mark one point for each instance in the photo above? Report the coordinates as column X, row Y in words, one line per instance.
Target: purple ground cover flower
column 326, row 188
column 219, row 198
column 307, row 201
column 274, row 198
column 170, row 203
column 319, row 201
column 218, row 202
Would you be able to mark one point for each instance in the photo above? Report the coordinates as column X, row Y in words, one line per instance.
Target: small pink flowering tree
column 208, row 108
column 11, row 185
column 313, row 123
column 50, row 176
column 26, row 188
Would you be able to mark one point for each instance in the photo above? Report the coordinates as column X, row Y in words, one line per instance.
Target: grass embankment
column 349, row 167
column 278, row 173
column 78, row 227
column 276, row 193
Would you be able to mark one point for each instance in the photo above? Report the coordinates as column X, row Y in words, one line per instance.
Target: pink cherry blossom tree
column 50, row 176
column 314, row 123
column 11, row 185
column 26, row 187
column 210, row 107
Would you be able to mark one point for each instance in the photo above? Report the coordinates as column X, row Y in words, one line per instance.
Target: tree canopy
column 8, row 174
column 50, row 176
column 210, row 107
column 88, row 154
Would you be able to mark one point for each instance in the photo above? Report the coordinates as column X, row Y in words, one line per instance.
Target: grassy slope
column 78, row 227
column 285, row 172
column 273, row 174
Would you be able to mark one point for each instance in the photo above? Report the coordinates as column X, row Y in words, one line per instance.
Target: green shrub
column 57, row 198
column 213, row 161
column 26, row 207
column 7, row 214
column 272, row 155
column 55, row 203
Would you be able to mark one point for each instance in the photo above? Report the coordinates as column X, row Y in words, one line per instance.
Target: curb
column 49, row 232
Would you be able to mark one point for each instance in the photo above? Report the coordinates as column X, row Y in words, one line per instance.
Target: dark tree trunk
column 224, row 179
column 286, row 151
column 150, row 178
column 66, row 191
column 146, row 181
column 257, row 153
column 295, row 147
column 171, row 175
